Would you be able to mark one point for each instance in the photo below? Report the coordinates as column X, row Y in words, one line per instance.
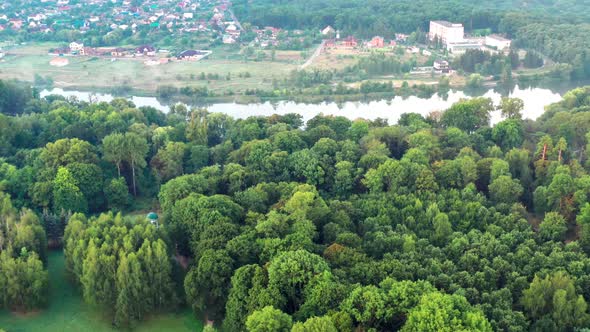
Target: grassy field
column 341, row 57
column 87, row 73
column 68, row 313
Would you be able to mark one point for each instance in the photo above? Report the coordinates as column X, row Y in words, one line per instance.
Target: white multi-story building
column 498, row 42
column 447, row 32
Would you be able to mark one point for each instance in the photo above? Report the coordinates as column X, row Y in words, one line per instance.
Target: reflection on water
column 535, row 100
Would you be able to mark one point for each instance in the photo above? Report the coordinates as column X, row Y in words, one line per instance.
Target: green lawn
column 67, row 312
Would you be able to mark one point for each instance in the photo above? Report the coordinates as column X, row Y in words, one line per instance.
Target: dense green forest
column 557, row 29
column 441, row 223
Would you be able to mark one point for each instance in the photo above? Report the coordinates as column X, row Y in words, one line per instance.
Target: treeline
column 23, row 253
column 435, row 223
column 565, row 43
column 14, row 97
column 344, row 92
column 386, row 18
column 121, row 265
column 362, row 18
column 380, row 64
column 168, row 91
column 486, row 63
column 308, row 78
column 498, row 65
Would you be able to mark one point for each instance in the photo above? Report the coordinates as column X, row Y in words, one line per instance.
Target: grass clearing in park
column 67, row 312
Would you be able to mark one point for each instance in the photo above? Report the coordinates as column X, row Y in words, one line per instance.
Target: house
column 36, row 17
column 413, row 50
column 426, row 53
column 441, row 65
column 231, row 29
column 328, row 31
column 274, row 32
column 376, row 42
column 77, row 48
column 147, row 50
column 229, row 39
column 350, row 41
column 191, row 55
column 16, row 24
column 446, row 32
column 171, row 17
column 188, row 16
column 497, row 42
column 119, row 52
column 401, row 37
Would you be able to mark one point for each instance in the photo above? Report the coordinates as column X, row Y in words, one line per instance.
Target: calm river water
column 535, row 100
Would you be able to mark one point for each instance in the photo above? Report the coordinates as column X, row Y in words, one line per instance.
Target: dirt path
column 315, row 54
column 235, row 19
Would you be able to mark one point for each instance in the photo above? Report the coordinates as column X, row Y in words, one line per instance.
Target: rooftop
column 448, row 24
column 498, row 37
column 189, row 53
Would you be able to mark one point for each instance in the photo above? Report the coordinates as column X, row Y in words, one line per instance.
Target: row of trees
column 121, row 265
column 23, row 246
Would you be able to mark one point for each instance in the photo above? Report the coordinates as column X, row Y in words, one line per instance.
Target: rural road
column 314, row 55
column 235, row 19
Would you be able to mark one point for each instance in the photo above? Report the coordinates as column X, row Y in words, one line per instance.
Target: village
column 205, row 36
column 122, row 17
column 147, row 53
column 214, row 23
column 446, row 40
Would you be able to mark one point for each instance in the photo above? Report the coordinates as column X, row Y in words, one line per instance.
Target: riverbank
column 67, row 312
column 391, row 109
column 306, row 96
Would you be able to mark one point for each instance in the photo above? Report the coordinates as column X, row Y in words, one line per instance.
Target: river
column 535, row 99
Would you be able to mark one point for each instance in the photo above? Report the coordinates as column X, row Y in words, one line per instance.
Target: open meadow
column 88, row 73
